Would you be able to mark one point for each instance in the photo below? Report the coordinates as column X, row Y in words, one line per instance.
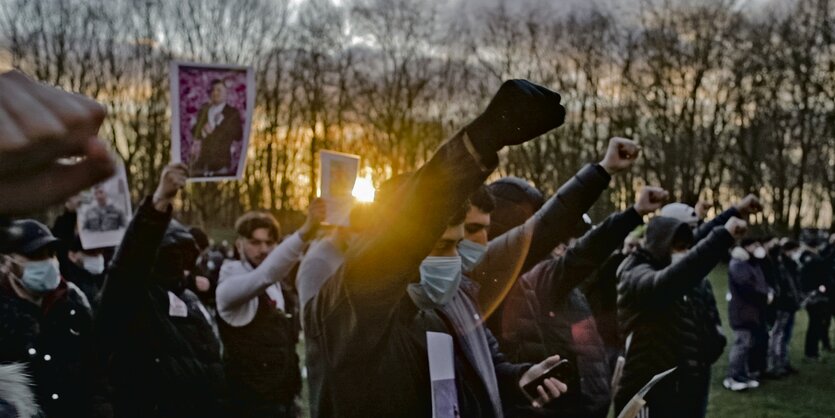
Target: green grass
column 810, row 394
column 806, row 395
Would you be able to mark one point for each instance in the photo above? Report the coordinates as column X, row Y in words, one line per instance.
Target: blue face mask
column 471, row 254
column 41, row 276
column 440, row 277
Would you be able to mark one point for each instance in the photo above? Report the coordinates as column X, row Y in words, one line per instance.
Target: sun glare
column 364, row 188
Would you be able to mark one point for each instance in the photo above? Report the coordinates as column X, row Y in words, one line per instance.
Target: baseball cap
column 30, row 236
column 681, row 212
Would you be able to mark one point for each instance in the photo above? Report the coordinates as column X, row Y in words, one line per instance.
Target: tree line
column 724, row 101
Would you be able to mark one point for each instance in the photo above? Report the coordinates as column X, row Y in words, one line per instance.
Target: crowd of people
column 171, row 324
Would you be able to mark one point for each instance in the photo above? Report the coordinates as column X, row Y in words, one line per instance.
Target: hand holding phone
column 544, row 382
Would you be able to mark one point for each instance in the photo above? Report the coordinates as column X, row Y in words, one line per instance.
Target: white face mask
column 676, row 257
column 93, row 263
column 471, row 253
column 440, row 277
column 760, row 253
column 41, row 276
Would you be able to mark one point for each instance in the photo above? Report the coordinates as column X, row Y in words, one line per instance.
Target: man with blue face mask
column 45, row 323
column 367, row 329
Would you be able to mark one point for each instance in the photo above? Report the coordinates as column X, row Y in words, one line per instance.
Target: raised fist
column 40, row 125
column 650, row 199
column 173, row 179
column 737, row 227
column 519, row 112
column 750, row 205
column 702, row 207
column 620, row 155
column 316, row 214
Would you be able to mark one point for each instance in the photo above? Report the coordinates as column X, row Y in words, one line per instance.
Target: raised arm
column 593, row 248
column 659, row 288
column 378, row 269
column 518, row 250
column 129, row 275
column 745, row 207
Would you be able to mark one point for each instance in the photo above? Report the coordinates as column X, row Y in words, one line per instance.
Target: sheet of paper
column 338, row 173
column 442, row 375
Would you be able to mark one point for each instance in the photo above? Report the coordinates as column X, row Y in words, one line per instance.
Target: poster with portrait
column 211, row 116
column 338, row 173
column 104, row 212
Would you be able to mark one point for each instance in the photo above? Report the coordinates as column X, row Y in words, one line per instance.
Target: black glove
column 519, row 112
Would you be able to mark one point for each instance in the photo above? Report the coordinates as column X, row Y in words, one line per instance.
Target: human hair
column 483, row 199
column 253, row 220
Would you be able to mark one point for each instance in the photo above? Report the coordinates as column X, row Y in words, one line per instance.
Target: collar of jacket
column 739, row 253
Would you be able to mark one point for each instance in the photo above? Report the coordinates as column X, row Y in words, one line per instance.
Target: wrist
column 160, row 203
column 608, row 168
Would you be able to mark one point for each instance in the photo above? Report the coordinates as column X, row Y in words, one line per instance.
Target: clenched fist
column 737, row 227
column 620, row 155
column 520, row 111
column 40, row 125
column 650, row 199
column 750, row 205
column 316, row 214
column 173, row 179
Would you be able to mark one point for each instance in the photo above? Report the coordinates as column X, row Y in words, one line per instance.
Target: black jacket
column 161, row 363
column 749, row 292
column 668, row 311
column 366, row 336
column 546, row 314
column 789, row 293
column 54, row 342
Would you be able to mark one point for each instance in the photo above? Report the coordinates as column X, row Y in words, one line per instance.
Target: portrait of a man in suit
column 218, row 126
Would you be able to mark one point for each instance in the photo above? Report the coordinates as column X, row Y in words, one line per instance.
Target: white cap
column 681, row 212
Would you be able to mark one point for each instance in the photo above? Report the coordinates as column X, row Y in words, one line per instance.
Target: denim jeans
column 778, row 350
column 740, row 353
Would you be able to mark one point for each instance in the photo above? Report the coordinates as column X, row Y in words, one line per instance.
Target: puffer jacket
column 53, row 341
column 749, row 292
column 547, row 314
column 668, row 311
column 164, row 359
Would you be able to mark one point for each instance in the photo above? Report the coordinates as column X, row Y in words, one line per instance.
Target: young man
column 258, row 315
column 547, row 313
column 746, row 311
column 667, row 312
column 163, row 357
column 787, row 303
column 367, row 326
column 45, row 324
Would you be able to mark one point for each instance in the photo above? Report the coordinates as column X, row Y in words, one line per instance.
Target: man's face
column 630, row 245
column 477, row 225
column 218, row 93
column 447, row 246
column 257, row 247
column 101, row 196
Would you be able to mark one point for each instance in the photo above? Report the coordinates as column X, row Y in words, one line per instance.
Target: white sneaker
column 752, row 384
column 734, row 386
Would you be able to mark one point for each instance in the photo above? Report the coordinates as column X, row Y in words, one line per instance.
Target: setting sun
column 364, row 188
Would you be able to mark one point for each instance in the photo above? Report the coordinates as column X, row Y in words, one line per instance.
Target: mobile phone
column 561, row 371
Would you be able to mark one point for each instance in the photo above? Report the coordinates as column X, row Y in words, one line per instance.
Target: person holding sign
column 259, row 325
column 164, row 359
column 366, row 329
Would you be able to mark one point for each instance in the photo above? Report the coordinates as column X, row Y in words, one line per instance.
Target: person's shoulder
column 231, row 268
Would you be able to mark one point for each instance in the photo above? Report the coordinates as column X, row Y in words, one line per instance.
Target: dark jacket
column 518, row 250
column 89, row 283
column 601, row 291
column 546, row 314
column 814, row 273
column 54, row 342
column 366, row 336
column 749, row 292
column 788, row 295
column 214, row 150
column 668, row 311
column 163, row 362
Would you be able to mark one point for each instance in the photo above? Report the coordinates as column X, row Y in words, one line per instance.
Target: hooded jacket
column 668, row 311
column 547, row 314
column 749, row 291
column 164, row 359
